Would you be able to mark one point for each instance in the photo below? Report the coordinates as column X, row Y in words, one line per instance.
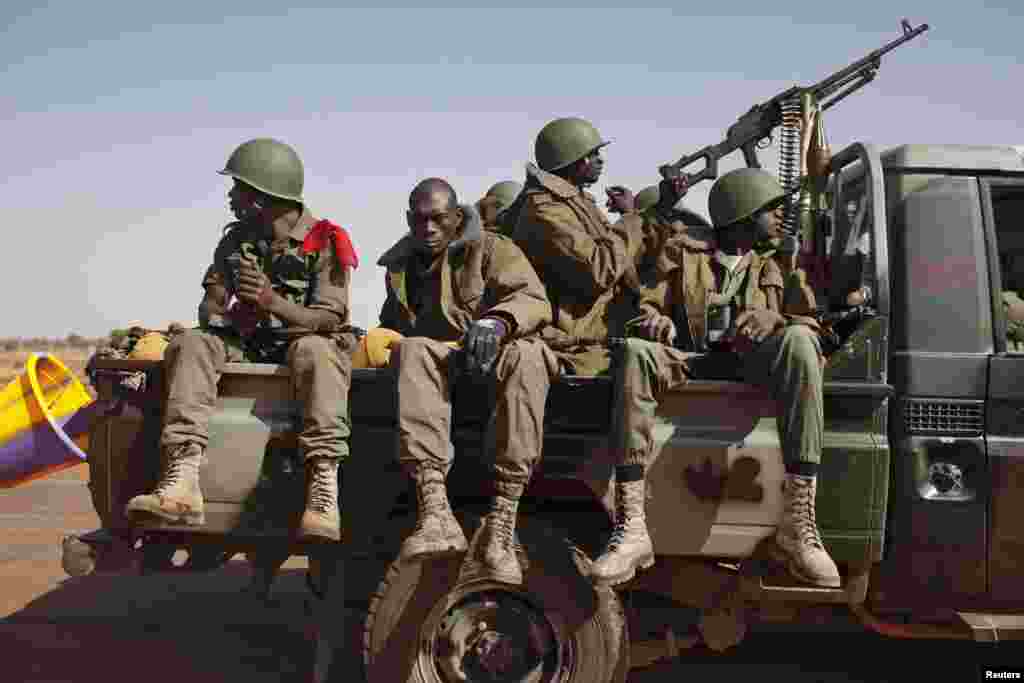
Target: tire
column 424, row 610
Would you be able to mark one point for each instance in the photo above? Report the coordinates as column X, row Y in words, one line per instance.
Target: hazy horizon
column 117, row 121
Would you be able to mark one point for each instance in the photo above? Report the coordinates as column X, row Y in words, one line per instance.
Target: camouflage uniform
column 701, row 292
column 320, row 363
column 789, row 362
column 586, row 263
column 479, row 275
column 312, row 287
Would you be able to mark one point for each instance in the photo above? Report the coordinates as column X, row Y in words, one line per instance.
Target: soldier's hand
column 659, row 328
column 244, row 317
column 253, row 286
column 481, row 345
column 753, row 327
column 620, row 199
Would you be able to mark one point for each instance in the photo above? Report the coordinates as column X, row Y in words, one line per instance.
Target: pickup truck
column 921, row 487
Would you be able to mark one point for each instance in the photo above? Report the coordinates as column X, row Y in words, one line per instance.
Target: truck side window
column 1008, row 214
column 851, row 248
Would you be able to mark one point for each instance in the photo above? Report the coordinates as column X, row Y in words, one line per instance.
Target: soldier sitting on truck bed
column 287, row 278
column 495, row 201
column 727, row 297
column 586, row 263
column 450, row 281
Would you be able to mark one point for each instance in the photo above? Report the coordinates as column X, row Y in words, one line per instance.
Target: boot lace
column 805, row 526
column 431, row 500
column 320, row 493
column 501, row 520
column 619, row 532
column 174, row 470
column 629, row 507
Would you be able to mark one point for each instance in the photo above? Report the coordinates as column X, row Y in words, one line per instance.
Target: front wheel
column 426, row 624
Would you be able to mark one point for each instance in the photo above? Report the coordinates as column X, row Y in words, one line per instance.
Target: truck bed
column 253, row 482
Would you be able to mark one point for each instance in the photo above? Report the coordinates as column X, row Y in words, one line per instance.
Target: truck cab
column 956, row 238
column 920, row 485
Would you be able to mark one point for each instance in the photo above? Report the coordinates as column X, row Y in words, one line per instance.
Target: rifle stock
column 757, row 124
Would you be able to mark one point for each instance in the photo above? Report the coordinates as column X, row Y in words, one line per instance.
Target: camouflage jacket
column 481, row 275
column 586, row 263
column 685, row 282
column 314, row 280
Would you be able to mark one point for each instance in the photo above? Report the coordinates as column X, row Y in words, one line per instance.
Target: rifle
column 756, row 126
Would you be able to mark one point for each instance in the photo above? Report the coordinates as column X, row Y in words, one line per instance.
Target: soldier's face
column 433, row 223
column 654, row 241
column 591, row 167
column 244, row 201
column 768, row 224
column 488, row 207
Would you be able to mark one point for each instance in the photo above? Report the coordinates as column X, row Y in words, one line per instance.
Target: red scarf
column 320, row 235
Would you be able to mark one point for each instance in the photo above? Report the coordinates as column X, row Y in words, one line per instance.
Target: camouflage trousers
column 321, row 372
column 523, row 373
column 788, row 364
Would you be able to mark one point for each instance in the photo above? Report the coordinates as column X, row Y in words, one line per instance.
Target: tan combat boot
column 437, row 531
column 497, row 551
column 321, row 519
column 629, row 547
column 177, row 497
column 799, row 544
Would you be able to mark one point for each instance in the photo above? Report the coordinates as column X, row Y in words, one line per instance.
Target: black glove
column 481, row 345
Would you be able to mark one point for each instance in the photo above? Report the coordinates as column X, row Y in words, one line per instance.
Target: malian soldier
column 451, row 283
column 496, row 201
column 664, row 222
column 646, row 198
column 622, row 201
column 277, row 291
column 586, row 263
column 731, row 299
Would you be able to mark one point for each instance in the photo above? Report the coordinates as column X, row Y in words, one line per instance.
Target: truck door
column 856, row 453
column 1003, row 207
column 941, row 342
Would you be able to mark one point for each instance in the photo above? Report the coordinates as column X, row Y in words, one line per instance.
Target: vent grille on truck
column 961, row 418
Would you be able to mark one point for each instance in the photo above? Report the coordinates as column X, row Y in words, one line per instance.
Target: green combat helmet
column 268, row 165
column 739, row 194
column 565, row 141
column 647, row 198
column 504, row 193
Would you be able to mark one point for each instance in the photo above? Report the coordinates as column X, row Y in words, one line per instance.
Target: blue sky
column 117, row 115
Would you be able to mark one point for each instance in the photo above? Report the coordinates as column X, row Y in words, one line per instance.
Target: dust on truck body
column 920, row 488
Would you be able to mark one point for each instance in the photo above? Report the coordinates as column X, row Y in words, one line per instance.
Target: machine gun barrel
column 757, row 124
column 864, row 68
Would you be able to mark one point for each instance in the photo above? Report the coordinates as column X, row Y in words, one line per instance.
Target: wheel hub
column 495, row 636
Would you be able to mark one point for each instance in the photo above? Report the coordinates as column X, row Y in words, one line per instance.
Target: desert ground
column 12, row 362
column 126, row 626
